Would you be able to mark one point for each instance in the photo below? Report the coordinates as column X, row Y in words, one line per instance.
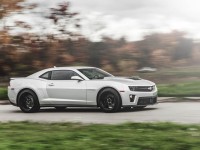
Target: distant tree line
column 24, row 54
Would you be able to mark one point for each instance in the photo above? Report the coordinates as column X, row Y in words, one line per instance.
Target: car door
column 61, row 89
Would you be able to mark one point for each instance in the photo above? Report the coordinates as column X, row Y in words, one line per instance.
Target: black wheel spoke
column 108, row 102
column 27, row 101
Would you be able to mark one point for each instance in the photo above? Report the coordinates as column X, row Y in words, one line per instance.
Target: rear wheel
column 28, row 101
column 109, row 100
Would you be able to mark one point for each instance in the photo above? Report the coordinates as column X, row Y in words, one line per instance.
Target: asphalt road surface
column 181, row 112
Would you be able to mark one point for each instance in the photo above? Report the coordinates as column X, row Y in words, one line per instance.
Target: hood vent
column 134, row 78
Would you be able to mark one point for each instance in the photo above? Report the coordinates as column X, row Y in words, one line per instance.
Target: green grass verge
column 3, row 93
column 180, row 89
column 131, row 136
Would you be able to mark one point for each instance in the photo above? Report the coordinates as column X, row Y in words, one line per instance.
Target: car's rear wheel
column 28, row 101
column 60, row 108
column 109, row 100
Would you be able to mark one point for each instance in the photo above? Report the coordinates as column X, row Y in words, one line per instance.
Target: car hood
column 134, row 81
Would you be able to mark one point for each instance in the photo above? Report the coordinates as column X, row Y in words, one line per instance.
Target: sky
column 131, row 19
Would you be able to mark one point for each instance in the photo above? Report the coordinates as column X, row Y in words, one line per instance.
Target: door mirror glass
column 76, row 78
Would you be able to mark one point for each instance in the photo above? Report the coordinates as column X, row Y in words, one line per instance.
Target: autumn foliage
column 26, row 53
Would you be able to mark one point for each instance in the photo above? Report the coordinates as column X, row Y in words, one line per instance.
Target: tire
column 60, row 108
column 28, row 101
column 109, row 100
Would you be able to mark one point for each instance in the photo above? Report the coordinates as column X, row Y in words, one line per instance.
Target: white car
column 62, row 87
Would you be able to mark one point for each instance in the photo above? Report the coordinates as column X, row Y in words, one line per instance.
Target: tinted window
column 63, row 75
column 93, row 73
column 46, row 75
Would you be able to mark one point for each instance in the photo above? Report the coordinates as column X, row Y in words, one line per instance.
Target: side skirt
column 69, row 105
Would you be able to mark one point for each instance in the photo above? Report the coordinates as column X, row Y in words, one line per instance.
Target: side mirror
column 76, row 78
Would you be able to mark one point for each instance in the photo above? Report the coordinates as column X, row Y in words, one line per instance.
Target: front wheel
column 110, row 100
column 28, row 101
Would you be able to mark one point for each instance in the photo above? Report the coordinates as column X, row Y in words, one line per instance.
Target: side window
column 63, row 74
column 46, row 75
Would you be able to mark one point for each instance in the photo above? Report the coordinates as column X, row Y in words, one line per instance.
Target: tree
column 183, row 49
column 7, row 6
column 96, row 52
column 63, row 19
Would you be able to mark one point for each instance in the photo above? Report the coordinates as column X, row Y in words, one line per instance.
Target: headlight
column 132, row 88
column 142, row 88
column 153, row 87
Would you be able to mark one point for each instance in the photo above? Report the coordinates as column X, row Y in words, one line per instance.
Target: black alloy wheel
column 110, row 100
column 28, row 101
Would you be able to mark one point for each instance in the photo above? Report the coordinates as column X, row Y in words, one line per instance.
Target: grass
column 180, row 89
column 3, row 93
column 130, row 136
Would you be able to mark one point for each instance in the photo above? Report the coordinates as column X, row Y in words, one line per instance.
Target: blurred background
column 156, row 40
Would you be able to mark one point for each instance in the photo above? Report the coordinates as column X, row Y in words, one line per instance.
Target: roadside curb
column 160, row 100
column 178, row 99
column 4, row 102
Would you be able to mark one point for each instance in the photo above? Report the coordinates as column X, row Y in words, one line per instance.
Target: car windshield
column 94, row 73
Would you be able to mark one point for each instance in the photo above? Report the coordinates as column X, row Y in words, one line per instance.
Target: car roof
column 72, row 67
column 35, row 75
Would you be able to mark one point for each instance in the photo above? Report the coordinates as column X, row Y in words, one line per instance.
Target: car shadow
column 71, row 110
column 137, row 110
column 85, row 110
column 92, row 110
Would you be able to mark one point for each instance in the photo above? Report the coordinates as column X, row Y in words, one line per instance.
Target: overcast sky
column 128, row 18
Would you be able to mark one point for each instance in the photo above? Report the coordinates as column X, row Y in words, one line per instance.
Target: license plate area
column 147, row 100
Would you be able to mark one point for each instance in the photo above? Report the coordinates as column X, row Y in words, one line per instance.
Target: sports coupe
column 62, row 87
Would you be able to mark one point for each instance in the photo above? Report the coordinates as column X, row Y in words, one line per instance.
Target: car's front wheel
column 28, row 101
column 109, row 100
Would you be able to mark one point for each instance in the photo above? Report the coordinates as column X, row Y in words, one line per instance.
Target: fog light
column 132, row 97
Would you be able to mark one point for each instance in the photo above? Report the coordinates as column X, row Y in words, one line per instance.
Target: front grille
column 144, row 88
column 147, row 100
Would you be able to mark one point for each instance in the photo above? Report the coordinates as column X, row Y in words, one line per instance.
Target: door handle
column 51, row 84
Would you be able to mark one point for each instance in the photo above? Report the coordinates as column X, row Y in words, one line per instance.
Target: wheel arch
column 103, row 88
column 20, row 91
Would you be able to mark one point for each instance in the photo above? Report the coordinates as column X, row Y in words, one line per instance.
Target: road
column 182, row 112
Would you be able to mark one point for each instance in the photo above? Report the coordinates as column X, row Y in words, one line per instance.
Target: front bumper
column 143, row 101
column 140, row 98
